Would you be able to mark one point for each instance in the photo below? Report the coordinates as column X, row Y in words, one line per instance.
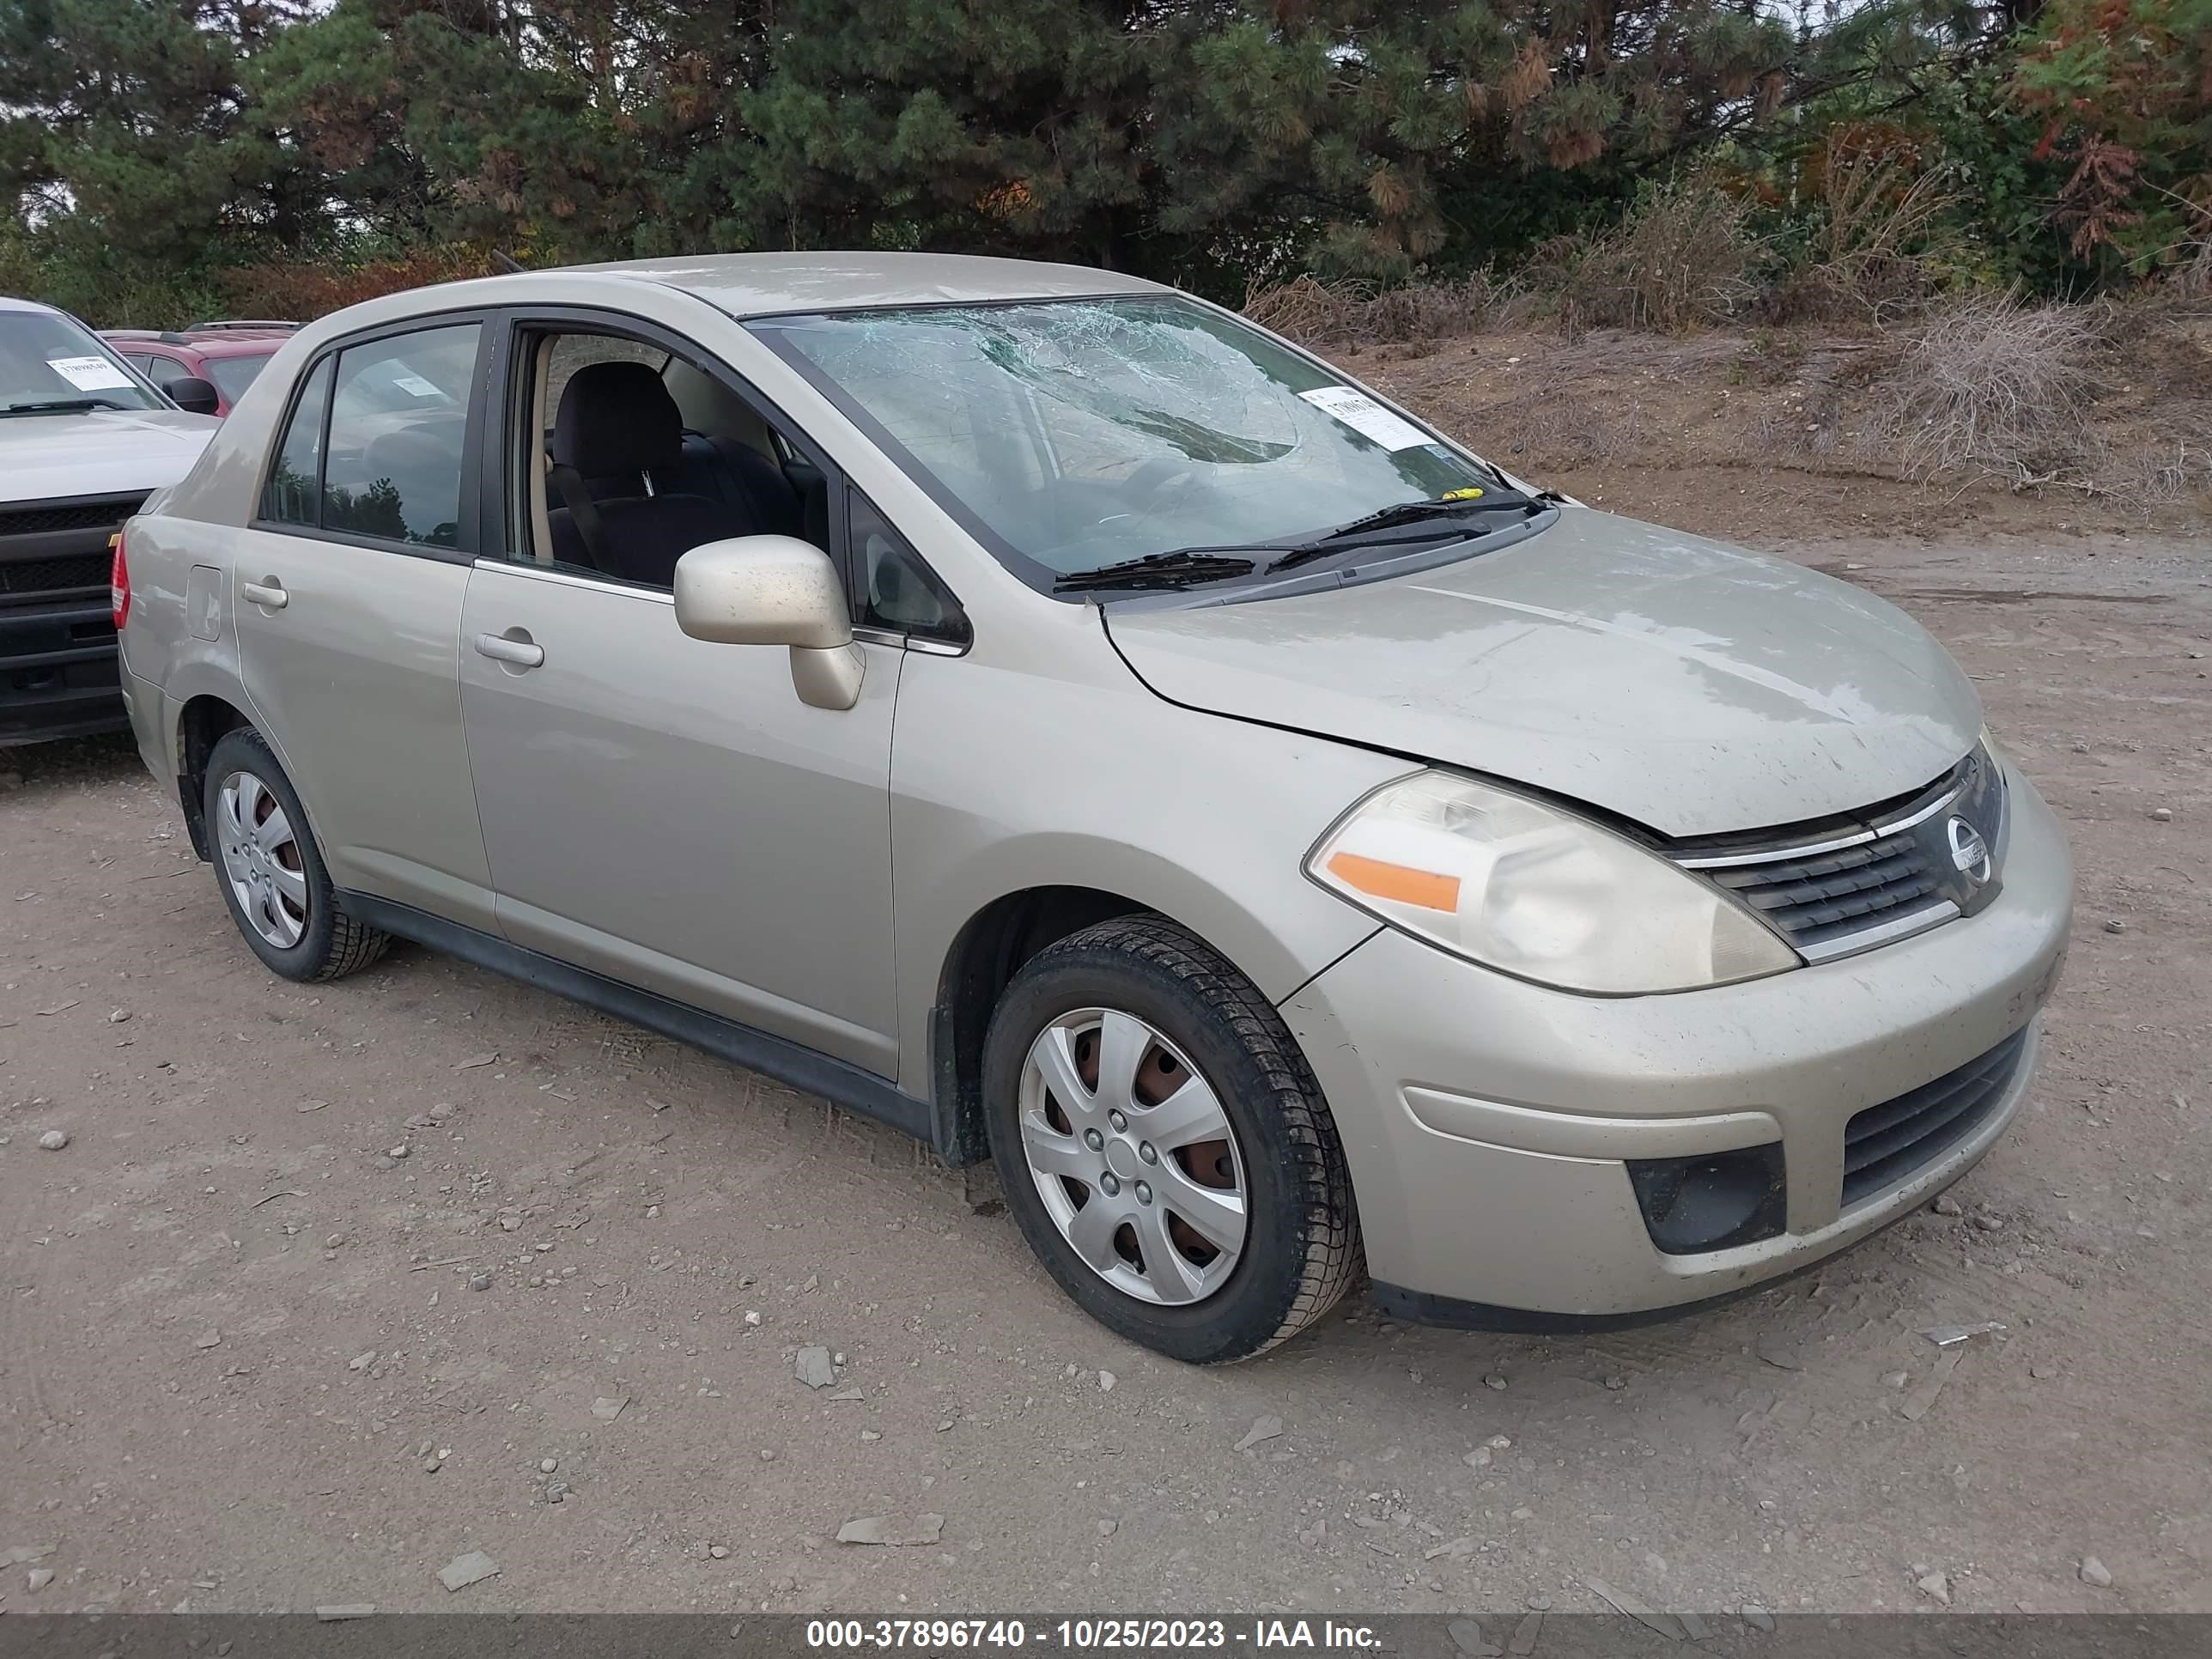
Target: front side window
column 626, row 455
column 167, row 371
column 898, row 591
column 50, row 364
column 232, row 375
column 400, row 412
column 1078, row 433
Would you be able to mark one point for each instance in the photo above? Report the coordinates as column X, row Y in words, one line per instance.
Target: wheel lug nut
column 1110, row 1183
column 1119, row 1123
column 1144, row 1192
column 1146, row 1152
column 1093, row 1140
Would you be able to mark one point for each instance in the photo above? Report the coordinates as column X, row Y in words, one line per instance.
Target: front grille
column 49, row 576
column 50, row 516
column 1846, row 884
column 1817, row 900
column 1885, row 1144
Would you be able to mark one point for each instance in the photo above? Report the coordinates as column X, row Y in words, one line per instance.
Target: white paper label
column 1367, row 417
column 89, row 374
column 415, row 385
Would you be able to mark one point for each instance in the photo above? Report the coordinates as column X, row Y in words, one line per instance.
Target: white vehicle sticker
column 89, row 374
column 415, row 385
column 1367, row 417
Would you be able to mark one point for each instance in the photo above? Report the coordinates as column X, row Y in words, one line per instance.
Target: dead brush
column 2191, row 280
column 1353, row 313
column 1684, row 257
column 1876, row 245
column 1985, row 382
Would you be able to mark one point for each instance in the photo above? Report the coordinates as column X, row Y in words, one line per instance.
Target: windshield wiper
column 64, row 405
column 1178, row 569
column 1361, row 532
column 1412, row 513
column 1184, row 566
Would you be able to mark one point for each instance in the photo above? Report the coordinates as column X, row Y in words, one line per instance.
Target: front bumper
column 1487, row 1122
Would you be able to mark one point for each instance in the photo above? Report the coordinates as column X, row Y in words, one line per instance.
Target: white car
column 84, row 440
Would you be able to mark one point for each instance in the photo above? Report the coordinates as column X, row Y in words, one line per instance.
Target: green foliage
column 2124, row 91
column 157, row 155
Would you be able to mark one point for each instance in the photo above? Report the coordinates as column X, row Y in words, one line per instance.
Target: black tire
column 331, row 945
column 1302, row 1245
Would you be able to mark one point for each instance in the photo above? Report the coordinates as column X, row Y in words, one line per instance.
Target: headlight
column 1523, row 887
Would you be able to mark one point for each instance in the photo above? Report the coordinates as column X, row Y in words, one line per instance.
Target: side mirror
column 193, row 395
column 774, row 590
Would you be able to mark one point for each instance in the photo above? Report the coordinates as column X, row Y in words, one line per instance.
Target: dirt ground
column 242, row 1367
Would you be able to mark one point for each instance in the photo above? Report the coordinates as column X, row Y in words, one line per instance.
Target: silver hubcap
column 1133, row 1156
column 261, row 859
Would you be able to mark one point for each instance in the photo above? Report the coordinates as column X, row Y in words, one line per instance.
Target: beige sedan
column 1040, row 710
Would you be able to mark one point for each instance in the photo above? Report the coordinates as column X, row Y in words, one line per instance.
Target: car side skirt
column 835, row 1080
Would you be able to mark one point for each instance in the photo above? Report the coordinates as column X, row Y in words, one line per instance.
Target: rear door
column 347, row 589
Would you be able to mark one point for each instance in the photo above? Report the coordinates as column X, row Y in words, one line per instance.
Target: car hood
column 1692, row 688
column 101, row 452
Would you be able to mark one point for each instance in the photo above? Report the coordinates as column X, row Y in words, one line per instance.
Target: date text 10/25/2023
column 1086, row 1635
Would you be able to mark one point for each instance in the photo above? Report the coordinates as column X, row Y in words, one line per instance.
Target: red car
column 227, row 355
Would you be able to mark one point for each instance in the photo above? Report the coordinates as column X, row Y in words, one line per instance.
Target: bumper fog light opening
column 1713, row 1201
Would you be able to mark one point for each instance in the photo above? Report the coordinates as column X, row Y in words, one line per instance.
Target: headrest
column 617, row 417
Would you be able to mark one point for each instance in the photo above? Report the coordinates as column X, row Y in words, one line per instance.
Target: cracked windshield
column 1081, row 434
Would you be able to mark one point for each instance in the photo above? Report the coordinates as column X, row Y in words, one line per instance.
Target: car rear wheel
column 1163, row 1146
column 270, row 871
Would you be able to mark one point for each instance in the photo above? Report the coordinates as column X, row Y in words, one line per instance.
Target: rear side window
column 400, row 410
column 296, row 481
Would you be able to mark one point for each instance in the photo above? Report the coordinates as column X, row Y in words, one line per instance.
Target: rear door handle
column 521, row 653
column 269, row 595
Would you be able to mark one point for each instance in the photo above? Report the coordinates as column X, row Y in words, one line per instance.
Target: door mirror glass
column 762, row 590
column 193, row 395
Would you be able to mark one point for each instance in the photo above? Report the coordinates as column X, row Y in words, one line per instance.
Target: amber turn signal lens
column 1399, row 882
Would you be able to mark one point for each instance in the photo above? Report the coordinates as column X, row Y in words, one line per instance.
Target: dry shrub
column 1876, row 245
column 2191, row 279
column 1985, row 381
column 1684, row 257
column 1319, row 314
column 305, row 292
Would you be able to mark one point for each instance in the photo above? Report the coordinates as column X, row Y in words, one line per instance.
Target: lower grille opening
column 1885, row 1144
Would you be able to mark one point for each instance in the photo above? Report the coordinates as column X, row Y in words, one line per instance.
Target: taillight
column 118, row 583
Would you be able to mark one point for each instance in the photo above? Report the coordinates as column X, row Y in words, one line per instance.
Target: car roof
column 234, row 342
column 10, row 302
column 237, row 342
column 764, row 284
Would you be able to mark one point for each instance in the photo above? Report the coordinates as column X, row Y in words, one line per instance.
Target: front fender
column 1204, row 819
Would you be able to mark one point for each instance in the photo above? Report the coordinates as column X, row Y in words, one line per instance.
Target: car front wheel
column 270, row 871
column 1163, row 1146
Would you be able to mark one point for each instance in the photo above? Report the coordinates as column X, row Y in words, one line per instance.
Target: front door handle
column 269, row 595
column 500, row 648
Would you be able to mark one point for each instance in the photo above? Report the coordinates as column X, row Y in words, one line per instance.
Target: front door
column 347, row 593
column 657, row 808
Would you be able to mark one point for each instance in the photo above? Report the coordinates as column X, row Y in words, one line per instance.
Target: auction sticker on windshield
column 89, row 374
column 1367, row 417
